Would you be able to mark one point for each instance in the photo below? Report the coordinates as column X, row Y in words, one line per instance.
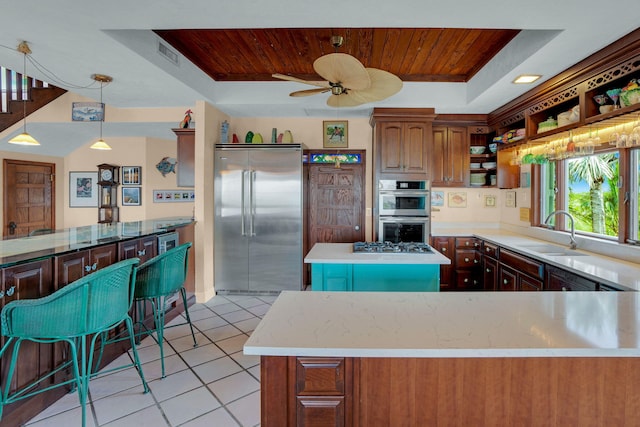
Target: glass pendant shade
column 23, row 139
column 100, row 145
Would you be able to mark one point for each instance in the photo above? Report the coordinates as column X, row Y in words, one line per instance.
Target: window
column 588, row 188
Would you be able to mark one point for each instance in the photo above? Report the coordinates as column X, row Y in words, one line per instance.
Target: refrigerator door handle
column 252, row 207
column 243, row 212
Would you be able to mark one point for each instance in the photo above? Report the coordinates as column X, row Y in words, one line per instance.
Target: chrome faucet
column 572, row 243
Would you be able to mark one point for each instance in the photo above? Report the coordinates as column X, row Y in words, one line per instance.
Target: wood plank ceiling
column 413, row 54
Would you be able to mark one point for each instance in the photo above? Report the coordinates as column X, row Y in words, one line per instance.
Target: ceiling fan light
column 100, row 145
column 24, row 139
column 336, row 90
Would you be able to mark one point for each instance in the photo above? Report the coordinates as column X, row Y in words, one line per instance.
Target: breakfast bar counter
column 482, row 358
column 336, row 267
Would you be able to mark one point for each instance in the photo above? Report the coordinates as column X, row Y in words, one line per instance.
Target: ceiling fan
column 349, row 82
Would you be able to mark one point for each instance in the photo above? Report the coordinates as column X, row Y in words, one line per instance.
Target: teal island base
column 375, row 277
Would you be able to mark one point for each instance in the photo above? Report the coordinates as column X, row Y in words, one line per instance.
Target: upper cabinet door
column 403, row 148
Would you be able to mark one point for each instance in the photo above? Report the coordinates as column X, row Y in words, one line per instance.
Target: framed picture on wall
column 83, row 189
column 131, row 175
column 131, row 196
column 335, row 134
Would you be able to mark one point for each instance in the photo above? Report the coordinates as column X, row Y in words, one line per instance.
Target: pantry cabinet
column 450, row 156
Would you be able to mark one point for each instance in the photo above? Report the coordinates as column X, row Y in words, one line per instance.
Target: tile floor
column 213, row 384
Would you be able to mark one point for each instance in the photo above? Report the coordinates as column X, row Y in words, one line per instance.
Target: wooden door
column 390, row 143
column 335, row 204
column 28, row 197
column 415, row 148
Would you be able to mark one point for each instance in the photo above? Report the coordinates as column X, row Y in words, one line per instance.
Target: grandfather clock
column 108, row 193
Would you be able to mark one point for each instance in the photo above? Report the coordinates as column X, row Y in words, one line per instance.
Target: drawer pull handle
column 488, row 270
column 487, row 249
column 564, row 288
column 475, row 261
column 443, row 250
column 11, row 291
column 476, row 244
column 142, row 252
column 505, row 281
column 466, row 260
column 466, row 243
column 466, row 280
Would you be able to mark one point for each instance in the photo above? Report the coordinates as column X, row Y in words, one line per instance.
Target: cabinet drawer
column 489, row 249
column 522, row 264
column 320, row 411
column 467, row 242
column 468, row 280
column 467, row 258
column 320, row 376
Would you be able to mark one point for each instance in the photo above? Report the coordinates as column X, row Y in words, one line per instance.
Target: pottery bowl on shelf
column 477, row 149
column 474, row 165
column 493, row 147
column 478, row 178
column 489, row 165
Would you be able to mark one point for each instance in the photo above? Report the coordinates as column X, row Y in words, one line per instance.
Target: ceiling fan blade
column 383, row 85
column 297, row 80
column 344, row 69
column 309, row 91
column 344, row 100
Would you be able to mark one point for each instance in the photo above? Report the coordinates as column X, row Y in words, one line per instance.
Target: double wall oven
column 404, row 211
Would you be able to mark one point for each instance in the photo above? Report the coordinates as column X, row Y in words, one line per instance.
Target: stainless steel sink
column 552, row 250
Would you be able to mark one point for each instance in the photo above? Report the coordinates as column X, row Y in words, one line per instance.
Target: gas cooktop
column 391, row 248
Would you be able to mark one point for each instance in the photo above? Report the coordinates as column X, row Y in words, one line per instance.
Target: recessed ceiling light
column 527, row 78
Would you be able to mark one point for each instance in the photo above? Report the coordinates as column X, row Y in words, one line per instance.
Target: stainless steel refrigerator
column 258, row 221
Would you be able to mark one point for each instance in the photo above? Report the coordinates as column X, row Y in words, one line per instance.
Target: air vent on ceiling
column 168, row 53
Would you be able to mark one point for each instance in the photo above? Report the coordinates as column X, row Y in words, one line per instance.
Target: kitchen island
column 481, row 358
column 335, row 267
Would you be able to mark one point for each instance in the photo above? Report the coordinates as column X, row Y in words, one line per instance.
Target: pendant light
column 24, row 138
column 100, row 144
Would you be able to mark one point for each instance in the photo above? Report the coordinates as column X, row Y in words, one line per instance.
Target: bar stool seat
column 157, row 280
column 78, row 314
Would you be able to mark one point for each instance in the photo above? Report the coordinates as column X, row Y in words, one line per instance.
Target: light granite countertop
column 342, row 253
column 453, row 324
column 604, row 269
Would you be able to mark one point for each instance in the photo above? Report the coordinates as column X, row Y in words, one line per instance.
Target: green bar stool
column 156, row 280
column 81, row 312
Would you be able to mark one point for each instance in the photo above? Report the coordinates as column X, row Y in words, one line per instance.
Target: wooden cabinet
column 463, row 274
column 489, row 266
column 306, row 391
column 446, row 246
column 144, row 248
column 72, row 266
column 320, row 390
column 185, row 169
column 519, row 273
column 26, row 281
column 401, row 140
column 403, row 148
column 562, row 280
column 450, row 156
